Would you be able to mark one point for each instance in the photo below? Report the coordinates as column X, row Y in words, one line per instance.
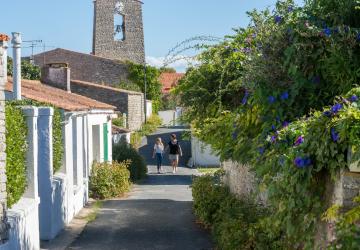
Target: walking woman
column 175, row 152
column 158, row 152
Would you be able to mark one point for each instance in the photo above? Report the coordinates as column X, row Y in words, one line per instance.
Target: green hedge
column 58, row 145
column 236, row 224
column 124, row 152
column 16, row 148
column 109, row 180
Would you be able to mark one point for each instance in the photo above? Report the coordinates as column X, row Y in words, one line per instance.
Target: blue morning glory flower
column 358, row 37
column 307, row 162
column 273, row 138
column 290, row 8
column 278, row 19
column 285, row 124
column 234, row 135
column 336, row 108
column 273, row 127
column 334, row 135
column 299, row 140
column 271, row 99
column 327, row 32
column 284, row 96
column 353, row 98
column 245, row 99
column 261, row 150
column 299, row 162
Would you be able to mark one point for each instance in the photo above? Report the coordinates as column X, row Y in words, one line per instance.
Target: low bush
column 109, row 180
column 125, row 152
column 235, row 223
column 16, row 148
column 151, row 125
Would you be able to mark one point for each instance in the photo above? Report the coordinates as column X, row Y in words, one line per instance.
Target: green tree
column 28, row 70
column 153, row 85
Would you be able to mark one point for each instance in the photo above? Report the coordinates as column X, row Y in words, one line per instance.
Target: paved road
column 156, row 215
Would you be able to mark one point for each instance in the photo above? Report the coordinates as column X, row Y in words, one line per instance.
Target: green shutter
column 106, row 143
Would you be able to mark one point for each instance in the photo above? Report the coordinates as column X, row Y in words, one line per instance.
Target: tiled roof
column 170, row 80
column 37, row 91
column 118, row 130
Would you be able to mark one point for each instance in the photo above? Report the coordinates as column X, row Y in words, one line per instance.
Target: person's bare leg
column 173, row 165
column 176, row 163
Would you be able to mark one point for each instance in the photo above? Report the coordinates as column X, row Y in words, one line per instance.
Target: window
column 119, row 22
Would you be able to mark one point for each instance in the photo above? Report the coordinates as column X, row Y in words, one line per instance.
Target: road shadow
column 144, row 224
column 166, row 179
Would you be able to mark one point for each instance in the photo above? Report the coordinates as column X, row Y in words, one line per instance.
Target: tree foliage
column 258, row 91
column 28, row 70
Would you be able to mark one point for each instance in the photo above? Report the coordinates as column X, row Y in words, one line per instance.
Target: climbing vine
column 16, row 148
column 258, row 91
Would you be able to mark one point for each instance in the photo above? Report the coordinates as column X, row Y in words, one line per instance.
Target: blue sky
column 68, row 23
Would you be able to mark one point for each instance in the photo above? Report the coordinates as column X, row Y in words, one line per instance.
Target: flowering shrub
column 258, row 92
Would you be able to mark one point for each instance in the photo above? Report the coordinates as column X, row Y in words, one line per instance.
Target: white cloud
column 180, row 63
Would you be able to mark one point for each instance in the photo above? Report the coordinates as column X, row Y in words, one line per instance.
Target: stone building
column 126, row 102
column 118, row 30
column 118, row 37
column 86, row 67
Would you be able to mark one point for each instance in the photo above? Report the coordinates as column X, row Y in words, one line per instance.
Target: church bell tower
column 118, row 30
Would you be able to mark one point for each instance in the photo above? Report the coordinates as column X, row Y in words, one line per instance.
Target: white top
column 159, row 149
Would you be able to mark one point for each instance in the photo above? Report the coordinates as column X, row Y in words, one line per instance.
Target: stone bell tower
column 118, row 30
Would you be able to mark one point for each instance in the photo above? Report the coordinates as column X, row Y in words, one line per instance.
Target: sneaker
column 174, row 171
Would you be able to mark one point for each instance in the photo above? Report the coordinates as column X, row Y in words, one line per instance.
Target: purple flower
column 336, row 108
column 245, row 99
column 236, row 50
column 273, row 127
column 299, row 162
column 327, row 32
column 302, row 162
column 334, row 135
column 261, row 150
column 284, row 96
column 353, row 98
column 253, row 35
column 290, row 9
column 299, row 140
column 316, row 79
column 278, row 19
column 273, row 138
column 285, row 124
column 271, row 99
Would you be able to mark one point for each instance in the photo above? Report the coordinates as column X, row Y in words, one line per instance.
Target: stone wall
column 86, row 67
column 129, row 102
column 241, row 181
column 3, row 196
column 104, row 44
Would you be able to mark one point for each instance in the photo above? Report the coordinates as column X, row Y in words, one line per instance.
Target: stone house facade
column 126, row 102
column 85, row 67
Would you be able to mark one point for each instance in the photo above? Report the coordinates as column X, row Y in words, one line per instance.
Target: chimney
column 3, row 59
column 56, row 75
column 16, row 41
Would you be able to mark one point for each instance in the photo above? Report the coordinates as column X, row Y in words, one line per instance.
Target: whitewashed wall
column 202, row 154
column 24, row 215
column 171, row 117
column 149, row 108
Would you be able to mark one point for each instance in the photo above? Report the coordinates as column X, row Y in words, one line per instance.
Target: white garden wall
column 202, row 154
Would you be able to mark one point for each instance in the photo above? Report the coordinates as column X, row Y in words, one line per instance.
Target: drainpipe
column 16, row 41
